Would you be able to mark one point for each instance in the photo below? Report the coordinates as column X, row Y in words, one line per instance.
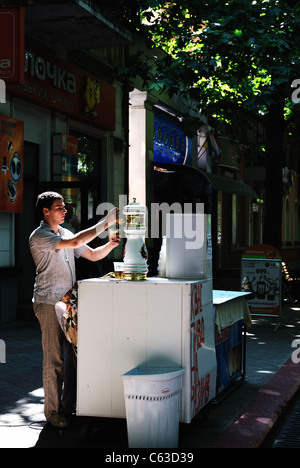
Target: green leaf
column 238, row 32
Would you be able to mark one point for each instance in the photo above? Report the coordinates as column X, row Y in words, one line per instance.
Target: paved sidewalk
column 272, row 380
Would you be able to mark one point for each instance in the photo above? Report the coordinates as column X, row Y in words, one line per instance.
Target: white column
column 141, row 123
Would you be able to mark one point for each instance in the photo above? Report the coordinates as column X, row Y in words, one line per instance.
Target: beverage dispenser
column 135, row 254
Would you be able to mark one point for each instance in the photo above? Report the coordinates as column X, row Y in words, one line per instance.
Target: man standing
column 54, row 249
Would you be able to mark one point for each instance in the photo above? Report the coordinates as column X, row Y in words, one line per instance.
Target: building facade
column 86, row 133
column 73, row 132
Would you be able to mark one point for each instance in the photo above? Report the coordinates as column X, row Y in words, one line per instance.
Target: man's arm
column 101, row 252
column 86, row 236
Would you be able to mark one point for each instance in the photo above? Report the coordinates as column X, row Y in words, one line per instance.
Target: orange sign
column 12, row 45
column 11, row 164
column 54, row 83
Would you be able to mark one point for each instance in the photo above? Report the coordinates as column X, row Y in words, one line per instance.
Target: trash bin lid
column 158, row 373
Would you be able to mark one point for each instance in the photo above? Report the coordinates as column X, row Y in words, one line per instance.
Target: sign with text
column 60, row 85
column 12, row 45
column 170, row 144
column 11, row 164
column 203, row 356
column 261, row 274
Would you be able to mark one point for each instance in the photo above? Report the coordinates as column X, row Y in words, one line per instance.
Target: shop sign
column 12, row 45
column 170, row 143
column 11, row 164
column 261, row 274
column 60, row 85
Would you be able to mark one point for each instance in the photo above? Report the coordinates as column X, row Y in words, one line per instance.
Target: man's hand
column 114, row 237
column 110, row 219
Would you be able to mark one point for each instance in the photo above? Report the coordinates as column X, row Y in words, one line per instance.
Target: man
column 54, row 249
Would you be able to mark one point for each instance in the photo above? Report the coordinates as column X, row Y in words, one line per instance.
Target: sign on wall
column 11, row 164
column 60, row 85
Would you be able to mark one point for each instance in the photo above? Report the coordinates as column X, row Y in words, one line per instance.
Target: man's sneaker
column 58, row 420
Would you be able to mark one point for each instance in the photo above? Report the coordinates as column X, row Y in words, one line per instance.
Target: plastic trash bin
column 153, row 404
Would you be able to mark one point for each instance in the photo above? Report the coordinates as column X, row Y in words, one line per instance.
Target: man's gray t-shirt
column 55, row 269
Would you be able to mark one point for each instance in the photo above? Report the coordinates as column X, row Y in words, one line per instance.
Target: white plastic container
column 188, row 246
column 153, row 402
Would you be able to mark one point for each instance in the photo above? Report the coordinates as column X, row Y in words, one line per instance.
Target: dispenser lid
column 134, row 208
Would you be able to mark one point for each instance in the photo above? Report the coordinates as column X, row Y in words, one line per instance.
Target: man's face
column 55, row 214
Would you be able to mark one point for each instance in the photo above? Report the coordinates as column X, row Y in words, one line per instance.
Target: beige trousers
column 59, row 363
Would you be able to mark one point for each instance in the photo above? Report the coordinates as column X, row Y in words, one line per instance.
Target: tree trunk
column 272, row 228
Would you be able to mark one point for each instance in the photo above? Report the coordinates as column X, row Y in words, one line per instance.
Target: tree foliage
column 226, row 55
column 225, row 52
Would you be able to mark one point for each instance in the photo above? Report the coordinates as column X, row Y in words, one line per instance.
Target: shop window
column 219, row 218
column 89, row 150
column 256, row 223
column 234, row 221
column 81, row 189
column 296, row 234
column 287, row 221
column 238, row 221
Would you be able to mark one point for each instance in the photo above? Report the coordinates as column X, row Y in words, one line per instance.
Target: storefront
column 72, row 125
column 174, row 160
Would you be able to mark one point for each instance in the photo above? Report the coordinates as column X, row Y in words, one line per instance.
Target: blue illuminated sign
column 170, row 144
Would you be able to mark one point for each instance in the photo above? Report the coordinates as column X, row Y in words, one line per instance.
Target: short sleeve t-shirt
column 55, row 269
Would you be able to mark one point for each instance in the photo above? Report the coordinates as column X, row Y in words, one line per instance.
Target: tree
column 229, row 54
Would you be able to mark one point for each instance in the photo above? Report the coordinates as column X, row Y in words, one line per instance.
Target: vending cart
column 157, row 322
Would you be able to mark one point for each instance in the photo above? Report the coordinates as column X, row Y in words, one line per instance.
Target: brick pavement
column 269, row 347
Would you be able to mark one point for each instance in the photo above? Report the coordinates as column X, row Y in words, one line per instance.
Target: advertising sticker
column 203, row 355
column 261, row 274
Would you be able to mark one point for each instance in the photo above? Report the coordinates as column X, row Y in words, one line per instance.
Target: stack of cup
column 118, row 268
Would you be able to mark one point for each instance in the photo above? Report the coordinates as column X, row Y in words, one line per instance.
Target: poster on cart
column 261, row 274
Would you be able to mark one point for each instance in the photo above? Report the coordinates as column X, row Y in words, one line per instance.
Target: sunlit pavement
column 22, row 423
column 21, row 392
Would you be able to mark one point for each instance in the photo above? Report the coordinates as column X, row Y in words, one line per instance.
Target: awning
column 218, row 182
column 73, row 25
column 225, row 184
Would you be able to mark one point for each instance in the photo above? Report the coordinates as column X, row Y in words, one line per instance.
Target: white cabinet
column 157, row 322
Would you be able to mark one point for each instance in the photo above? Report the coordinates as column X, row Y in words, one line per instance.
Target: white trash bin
column 153, row 404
